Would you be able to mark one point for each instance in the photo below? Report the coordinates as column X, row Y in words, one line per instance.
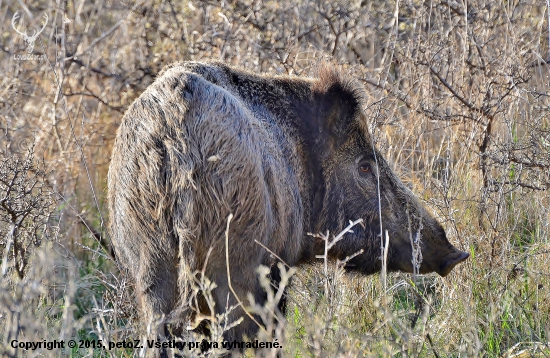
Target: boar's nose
column 451, row 260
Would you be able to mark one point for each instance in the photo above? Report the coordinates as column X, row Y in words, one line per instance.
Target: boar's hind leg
column 156, row 288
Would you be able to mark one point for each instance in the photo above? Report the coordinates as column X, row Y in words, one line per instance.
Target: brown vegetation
column 457, row 100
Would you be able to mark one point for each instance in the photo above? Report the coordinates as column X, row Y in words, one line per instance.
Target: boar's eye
column 364, row 168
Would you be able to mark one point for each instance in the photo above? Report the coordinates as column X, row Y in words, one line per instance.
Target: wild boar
column 285, row 155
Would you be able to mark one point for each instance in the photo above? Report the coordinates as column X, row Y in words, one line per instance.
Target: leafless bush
column 26, row 218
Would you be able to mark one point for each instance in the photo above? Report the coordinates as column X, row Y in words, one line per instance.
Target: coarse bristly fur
column 285, row 155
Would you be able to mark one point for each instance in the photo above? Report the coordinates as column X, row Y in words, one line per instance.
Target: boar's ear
column 338, row 101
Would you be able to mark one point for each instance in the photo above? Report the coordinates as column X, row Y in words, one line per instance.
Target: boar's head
column 357, row 182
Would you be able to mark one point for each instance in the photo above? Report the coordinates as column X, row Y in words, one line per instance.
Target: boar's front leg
column 244, row 283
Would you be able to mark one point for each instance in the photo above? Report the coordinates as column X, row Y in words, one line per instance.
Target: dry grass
column 459, row 103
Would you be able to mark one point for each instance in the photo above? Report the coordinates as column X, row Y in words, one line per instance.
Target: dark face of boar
column 356, row 176
column 356, row 172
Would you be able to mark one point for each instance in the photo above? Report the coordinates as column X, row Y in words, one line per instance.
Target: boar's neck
column 299, row 114
column 305, row 122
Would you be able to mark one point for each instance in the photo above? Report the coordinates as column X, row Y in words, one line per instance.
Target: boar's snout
column 441, row 260
column 450, row 261
column 438, row 254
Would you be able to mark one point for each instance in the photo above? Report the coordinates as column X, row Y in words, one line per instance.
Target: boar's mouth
column 451, row 261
